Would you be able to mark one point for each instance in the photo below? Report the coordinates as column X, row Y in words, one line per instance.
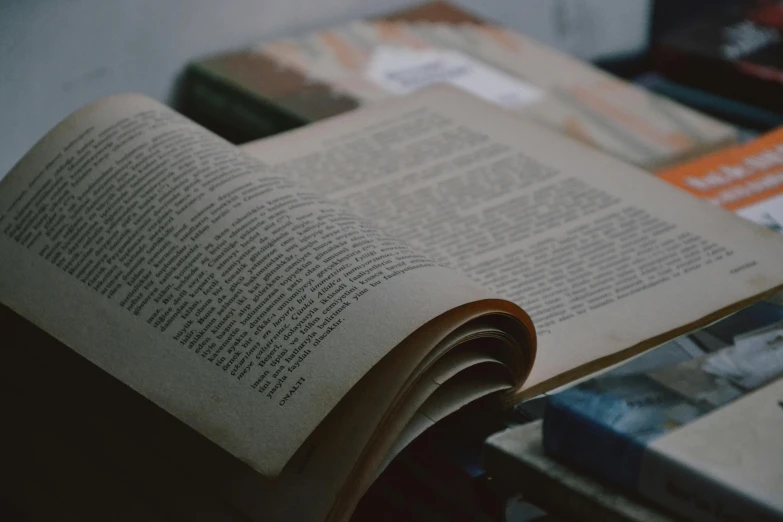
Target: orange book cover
column 745, row 179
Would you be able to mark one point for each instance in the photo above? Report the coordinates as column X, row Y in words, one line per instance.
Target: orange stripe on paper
column 745, row 161
column 676, row 140
column 393, row 32
column 502, row 37
column 347, row 55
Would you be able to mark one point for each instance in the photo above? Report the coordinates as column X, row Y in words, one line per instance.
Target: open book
column 278, row 322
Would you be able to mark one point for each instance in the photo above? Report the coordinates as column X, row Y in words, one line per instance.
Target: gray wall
column 57, row 55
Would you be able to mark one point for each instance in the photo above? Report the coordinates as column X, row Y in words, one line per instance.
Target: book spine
column 230, row 110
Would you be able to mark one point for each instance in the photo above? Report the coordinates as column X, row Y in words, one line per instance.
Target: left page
column 235, row 301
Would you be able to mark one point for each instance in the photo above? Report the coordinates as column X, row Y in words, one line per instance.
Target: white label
column 403, row 70
column 767, row 213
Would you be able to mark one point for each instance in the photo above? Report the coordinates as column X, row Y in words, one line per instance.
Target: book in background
column 515, row 462
column 745, row 179
column 735, row 51
column 286, row 83
column 515, row 459
column 700, row 437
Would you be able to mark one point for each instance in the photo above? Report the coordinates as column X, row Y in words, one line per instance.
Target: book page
column 607, row 260
column 237, row 302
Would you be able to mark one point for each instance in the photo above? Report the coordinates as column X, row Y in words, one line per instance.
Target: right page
column 606, row 259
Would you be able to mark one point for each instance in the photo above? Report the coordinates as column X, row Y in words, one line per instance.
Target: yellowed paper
column 227, row 295
column 603, row 257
